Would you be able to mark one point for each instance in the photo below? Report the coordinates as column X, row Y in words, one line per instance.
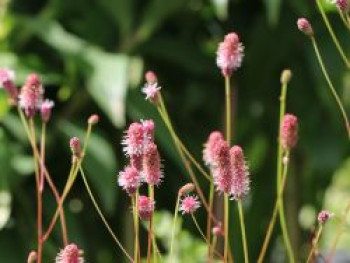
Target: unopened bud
column 305, row 26
column 151, row 77
column 75, row 146
column 286, row 76
column 32, row 257
column 93, row 119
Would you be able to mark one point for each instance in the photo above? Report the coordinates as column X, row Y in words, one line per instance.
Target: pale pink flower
column 152, row 172
column 189, row 204
column 7, row 78
column 222, row 173
column 146, row 207
column 324, row 216
column 129, row 179
column 209, row 150
column 93, row 119
column 240, row 174
column 70, row 254
column 151, row 77
column 305, row 26
column 45, row 109
column 32, row 257
column 134, row 139
column 218, row 230
column 31, row 95
column 289, row 131
column 151, row 91
column 230, row 54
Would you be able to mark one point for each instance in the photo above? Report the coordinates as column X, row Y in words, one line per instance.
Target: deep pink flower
column 305, row 26
column 230, row 54
column 31, row 95
column 93, row 119
column 134, row 139
column 152, row 172
column 136, row 161
column 146, row 207
column 45, row 109
column 70, row 254
column 222, row 173
column 210, row 148
column 189, row 204
column 240, row 174
column 324, row 216
column 129, row 179
column 7, row 78
column 289, row 131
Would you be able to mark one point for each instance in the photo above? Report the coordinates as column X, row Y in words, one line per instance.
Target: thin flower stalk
column 211, row 202
column 244, row 238
column 314, row 244
column 174, row 226
column 134, row 202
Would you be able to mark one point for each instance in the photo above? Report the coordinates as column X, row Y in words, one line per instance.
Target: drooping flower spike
column 70, row 254
column 240, row 174
column 129, row 179
column 145, row 207
column 31, row 95
column 189, row 204
column 7, row 78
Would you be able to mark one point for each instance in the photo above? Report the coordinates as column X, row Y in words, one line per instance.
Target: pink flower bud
column 146, row 207
column 189, row 204
column 31, row 95
column 152, row 173
column 70, row 254
column 129, row 179
column 46, row 108
column 186, row 189
column 32, row 257
column 7, row 78
column 240, row 179
column 218, row 230
column 230, row 54
column 324, row 216
column 151, row 77
column 93, row 119
column 305, row 26
column 289, row 131
column 75, row 146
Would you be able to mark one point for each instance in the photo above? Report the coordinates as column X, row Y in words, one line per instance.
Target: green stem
column 343, row 18
column 333, row 36
column 102, row 216
column 244, row 238
column 174, row 226
column 314, row 244
column 331, row 86
column 209, row 227
column 226, row 226
column 213, row 245
column 228, row 109
column 134, row 200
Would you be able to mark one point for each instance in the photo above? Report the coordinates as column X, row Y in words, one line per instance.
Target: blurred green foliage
column 92, row 54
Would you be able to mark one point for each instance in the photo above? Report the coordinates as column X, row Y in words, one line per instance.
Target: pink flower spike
column 136, row 161
column 151, row 77
column 240, row 174
column 289, row 131
column 148, row 131
column 93, row 119
column 70, row 254
column 7, row 78
column 305, row 26
column 152, row 172
column 324, row 216
column 210, row 148
column 146, row 207
column 230, row 54
column 222, row 172
column 129, row 179
column 31, row 95
column 189, row 204
column 133, row 140
column 46, row 108
column 151, row 91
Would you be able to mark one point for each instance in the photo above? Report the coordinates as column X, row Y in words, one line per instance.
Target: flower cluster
column 70, row 254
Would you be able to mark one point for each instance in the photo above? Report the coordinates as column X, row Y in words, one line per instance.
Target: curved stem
column 174, row 226
column 102, row 216
column 244, row 238
column 314, row 244
column 330, row 85
column 333, row 36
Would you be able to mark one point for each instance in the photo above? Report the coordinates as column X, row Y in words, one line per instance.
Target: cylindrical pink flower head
column 240, row 174
column 230, row 54
column 148, row 131
column 210, row 148
column 31, row 95
column 70, row 254
column 32, row 257
column 152, row 172
column 324, row 216
column 189, row 204
column 7, row 78
column 151, row 77
column 146, row 207
column 134, row 139
column 46, row 109
column 222, row 173
column 93, row 119
column 75, row 146
column 305, row 26
column 129, row 179
column 289, row 131
column 136, row 161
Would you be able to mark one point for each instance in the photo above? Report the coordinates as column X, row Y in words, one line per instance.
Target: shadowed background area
column 92, row 55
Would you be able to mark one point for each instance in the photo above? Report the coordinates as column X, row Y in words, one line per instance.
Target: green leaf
column 221, row 8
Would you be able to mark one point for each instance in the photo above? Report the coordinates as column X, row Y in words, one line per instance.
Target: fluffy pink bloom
column 151, row 77
column 189, row 204
column 151, row 92
column 240, row 174
column 230, row 54
column 129, row 179
column 148, row 131
column 31, row 95
column 75, row 146
column 93, row 119
column 146, row 207
column 134, row 139
column 324, row 216
column 45, row 109
column 70, row 254
column 152, row 172
column 136, row 161
column 305, row 26
column 222, row 172
column 289, row 131
column 210, row 148
column 7, row 78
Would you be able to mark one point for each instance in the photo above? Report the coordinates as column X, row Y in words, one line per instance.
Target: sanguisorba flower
column 31, row 95
column 70, row 254
column 189, row 204
column 148, row 132
column 343, row 5
column 209, row 151
column 305, row 26
column 129, row 179
column 7, row 78
column 152, row 167
column 240, row 174
column 75, row 147
column 145, row 207
column 46, row 109
column 222, row 173
column 151, row 87
column 134, row 139
column 289, row 131
column 230, row 54
column 324, row 216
